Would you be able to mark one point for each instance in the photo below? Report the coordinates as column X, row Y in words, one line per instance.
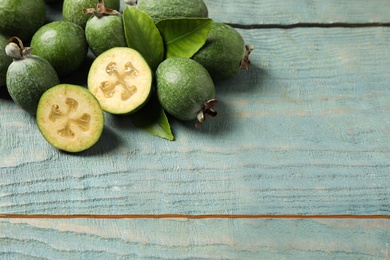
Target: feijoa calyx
column 121, row 80
column 185, row 89
column 28, row 76
column 104, row 30
column 224, row 54
column 70, row 118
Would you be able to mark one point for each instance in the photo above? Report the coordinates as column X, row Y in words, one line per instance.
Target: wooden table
column 295, row 166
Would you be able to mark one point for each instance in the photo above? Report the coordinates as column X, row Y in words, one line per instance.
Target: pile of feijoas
column 149, row 58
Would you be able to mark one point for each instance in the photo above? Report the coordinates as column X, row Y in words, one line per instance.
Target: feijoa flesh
column 121, row 80
column 70, row 118
column 185, row 89
column 61, row 43
column 161, row 9
column 21, row 18
column 224, row 54
column 104, row 30
column 28, row 76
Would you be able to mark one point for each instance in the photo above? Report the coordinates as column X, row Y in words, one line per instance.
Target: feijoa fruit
column 5, row 60
column 70, row 118
column 72, row 10
column 21, row 18
column 224, row 54
column 121, row 80
column 61, row 43
column 104, row 30
column 28, row 76
column 185, row 89
column 160, row 9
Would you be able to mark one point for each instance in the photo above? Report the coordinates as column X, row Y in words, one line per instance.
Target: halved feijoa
column 70, row 118
column 121, row 80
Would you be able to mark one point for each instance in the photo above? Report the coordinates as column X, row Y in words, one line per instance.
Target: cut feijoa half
column 121, row 80
column 70, row 118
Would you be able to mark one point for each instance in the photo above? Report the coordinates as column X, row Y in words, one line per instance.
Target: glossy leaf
column 152, row 119
column 142, row 35
column 184, row 36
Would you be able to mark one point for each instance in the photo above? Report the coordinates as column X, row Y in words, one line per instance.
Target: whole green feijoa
column 104, row 30
column 185, row 89
column 223, row 53
column 160, row 9
column 21, row 18
column 5, row 60
column 28, row 76
column 61, row 43
column 70, row 118
column 72, row 10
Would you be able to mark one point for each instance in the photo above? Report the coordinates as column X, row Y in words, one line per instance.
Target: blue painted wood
column 268, row 12
column 304, row 131
column 194, row 239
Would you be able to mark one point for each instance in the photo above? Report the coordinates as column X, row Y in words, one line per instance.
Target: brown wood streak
column 184, row 216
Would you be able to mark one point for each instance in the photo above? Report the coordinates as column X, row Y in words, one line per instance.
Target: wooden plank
column 200, row 239
column 304, row 131
column 287, row 12
column 269, row 12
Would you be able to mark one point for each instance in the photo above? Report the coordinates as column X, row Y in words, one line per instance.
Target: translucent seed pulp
column 56, row 113
column 109, row 89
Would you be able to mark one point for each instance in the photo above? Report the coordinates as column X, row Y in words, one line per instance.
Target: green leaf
column 152, row 119
column 184, row 36
column 143, row 35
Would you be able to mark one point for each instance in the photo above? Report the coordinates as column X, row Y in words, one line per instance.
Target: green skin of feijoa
column 183, row 86
column 5, row 60
column 28, row 79
column 21, row 18
column 61, row 43
column 105, row 32
column 53, row 1
column 222, row 53
column 72, row 10
column 160, row 9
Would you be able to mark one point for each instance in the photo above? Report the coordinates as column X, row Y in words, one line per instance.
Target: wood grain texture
column 304, row 131
column 285, row 12
column 194, row 239
column 269, row 12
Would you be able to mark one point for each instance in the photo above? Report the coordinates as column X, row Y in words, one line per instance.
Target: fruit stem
column 206, row 109
column 100, row 10
column 16, row 50
column 245, row 63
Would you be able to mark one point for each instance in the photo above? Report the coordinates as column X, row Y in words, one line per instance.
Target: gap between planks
column 185, row 216
column 308, row 25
